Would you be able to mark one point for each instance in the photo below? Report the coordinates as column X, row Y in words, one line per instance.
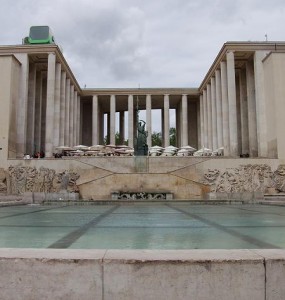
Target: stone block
column 211, row 196
column 62, row 196
column 50, row 274
column 247, row 196
column 28, row 197
column 199, row 275
column 275, row 273
column 258, row 195
column 234, row 196
column 39, row 197
column 169, row 196
column 221, row 196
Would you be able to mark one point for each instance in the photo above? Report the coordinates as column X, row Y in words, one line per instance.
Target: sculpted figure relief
column 279, row 178
column 27, row 179
column 3, row 182
column 246, row 178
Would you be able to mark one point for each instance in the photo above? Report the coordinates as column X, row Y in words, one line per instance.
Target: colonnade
column 48, row 111
column 182, row 108
column 232, row 107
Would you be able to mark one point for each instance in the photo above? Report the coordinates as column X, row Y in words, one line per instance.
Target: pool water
column 143, row 226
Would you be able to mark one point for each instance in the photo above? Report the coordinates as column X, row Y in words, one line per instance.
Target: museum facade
column 238, row 105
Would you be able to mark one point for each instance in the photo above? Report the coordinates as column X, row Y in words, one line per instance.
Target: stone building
column 239, row 105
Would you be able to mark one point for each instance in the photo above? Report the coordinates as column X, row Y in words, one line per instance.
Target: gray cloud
column 121, row 43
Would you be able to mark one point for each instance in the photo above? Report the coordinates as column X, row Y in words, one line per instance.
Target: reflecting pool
column 143, row 226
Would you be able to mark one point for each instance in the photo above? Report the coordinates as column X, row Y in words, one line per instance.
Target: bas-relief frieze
column 18, row 180
column 246, row 178
column 3, row 182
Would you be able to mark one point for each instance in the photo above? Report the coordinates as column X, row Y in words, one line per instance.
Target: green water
column 143, row 226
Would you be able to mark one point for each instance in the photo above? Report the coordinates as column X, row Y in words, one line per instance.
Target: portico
column 232, row 109
column 123, row 103
column 233, row 100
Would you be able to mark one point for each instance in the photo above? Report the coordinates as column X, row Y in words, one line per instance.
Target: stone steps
column 275, row 199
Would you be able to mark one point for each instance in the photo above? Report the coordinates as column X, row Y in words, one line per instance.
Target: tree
column 156, row 139
column 117, row 140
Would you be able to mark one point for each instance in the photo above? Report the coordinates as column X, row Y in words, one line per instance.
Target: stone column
column 251, row 108
column 166, row 120
column 244, row 114
column 30, row 144
column 95, row 121
column 112, row 120
column 38, row 111
column 43, row 112
column 49, row 147
column 57, row 105
column 238, row 104
column 75, row 119
column 184, row 120
column 22, row 104
column 78, row 121
column 148, row 120
column 205, row 117
column 225, row 109
column 162, row 126
column 202, row 122
column 209, row 114
column 71, row 109
column 260, row 103
column 122, row 127
column 67, row 104
column 199, row 121
column 232, row 103
column 62, row 107
column 219, row 108
column 131, row 120
column 214, row 113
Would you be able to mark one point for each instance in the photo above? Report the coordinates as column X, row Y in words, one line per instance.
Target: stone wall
column 142, row 274
column 184, row 177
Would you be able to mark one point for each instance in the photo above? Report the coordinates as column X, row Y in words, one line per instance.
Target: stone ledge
column 125, row 274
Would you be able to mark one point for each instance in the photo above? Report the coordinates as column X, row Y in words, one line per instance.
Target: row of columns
column 48, row 111
column 218, row 109
column 97, row 120
column 63, row 109
column 232, row 108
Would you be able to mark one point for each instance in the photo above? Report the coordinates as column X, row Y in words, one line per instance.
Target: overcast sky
column 151, row 43
column 146, row 43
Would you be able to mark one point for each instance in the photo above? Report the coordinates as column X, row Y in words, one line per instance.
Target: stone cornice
column 140, row 91
column 43, row 49
column 273, row 46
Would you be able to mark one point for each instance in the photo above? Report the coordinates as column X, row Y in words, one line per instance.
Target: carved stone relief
column 142, row 196
column 246, row 178
column 3, row 181
column 278, row 178
column 19, row 179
